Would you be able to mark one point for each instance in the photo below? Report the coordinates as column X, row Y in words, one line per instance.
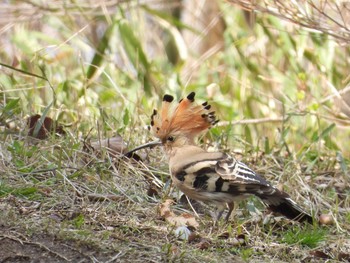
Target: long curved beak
column 146, row 145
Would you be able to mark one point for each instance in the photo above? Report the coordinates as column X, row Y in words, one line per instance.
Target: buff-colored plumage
column 212, row 177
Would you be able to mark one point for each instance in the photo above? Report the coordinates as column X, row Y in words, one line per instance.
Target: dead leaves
column 41, row 128
column 169, row 216
column 186, row 225
column 114, row 145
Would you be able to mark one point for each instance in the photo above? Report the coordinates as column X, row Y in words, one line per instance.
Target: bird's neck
column 178, row 155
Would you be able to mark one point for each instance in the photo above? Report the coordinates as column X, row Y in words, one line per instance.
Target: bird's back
column 218, row 178
column 213, row 176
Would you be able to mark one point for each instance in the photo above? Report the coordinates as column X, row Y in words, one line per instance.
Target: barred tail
column 280, row 202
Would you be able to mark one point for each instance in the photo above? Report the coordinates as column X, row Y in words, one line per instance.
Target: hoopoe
column 212, row 177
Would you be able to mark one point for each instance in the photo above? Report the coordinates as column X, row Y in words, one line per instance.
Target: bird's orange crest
column 186, row 118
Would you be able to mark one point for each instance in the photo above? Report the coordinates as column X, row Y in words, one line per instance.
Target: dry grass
column 330, row 17
column 281, row 95
column 99, row 206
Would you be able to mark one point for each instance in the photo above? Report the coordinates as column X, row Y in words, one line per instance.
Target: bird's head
column 178, row 124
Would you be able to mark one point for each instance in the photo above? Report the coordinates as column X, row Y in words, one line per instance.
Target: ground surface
column 110, row 212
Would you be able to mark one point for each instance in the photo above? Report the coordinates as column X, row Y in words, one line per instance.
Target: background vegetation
column 100, row 67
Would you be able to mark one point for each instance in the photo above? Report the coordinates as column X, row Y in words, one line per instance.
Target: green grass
column 98, row 74
column 311, row 237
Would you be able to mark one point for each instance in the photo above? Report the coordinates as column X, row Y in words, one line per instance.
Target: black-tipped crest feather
column 168, row 98
column 187, row 117
column 190, row 96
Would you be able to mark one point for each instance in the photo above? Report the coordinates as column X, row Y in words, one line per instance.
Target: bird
column 211, row 177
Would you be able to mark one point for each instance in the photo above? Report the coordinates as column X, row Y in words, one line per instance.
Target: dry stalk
column 329, row 17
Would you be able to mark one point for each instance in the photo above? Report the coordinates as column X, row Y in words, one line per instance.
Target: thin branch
column 251, row 121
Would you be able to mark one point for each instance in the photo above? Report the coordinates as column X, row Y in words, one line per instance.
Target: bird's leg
column 219, row 213
column 231, row 207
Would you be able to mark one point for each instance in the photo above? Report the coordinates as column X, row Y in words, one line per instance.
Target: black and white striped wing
column 223, row 179
column 244, row 180
column 237, row 172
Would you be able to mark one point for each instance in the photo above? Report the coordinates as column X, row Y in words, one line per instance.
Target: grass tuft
column 310, row 237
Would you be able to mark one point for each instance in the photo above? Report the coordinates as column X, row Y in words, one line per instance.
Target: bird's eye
column 170, row 139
